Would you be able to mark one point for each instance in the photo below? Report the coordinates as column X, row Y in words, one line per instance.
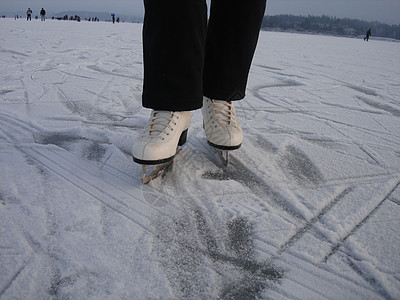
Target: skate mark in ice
column 207, row 237
column 82, row 177
column 158, row 195
column 322, row 142
column 13, row 52
column 275, row 71
column 363, row 90
column 357, row 226
column 14, row 277
column 237, row 171
column 239, row 232
column 255, row 275
column 395, row 196
column 108, row 219
column 247, row 111
column 8, row 199
column 352, row 108
column 104, row 71
column 261, row 142
column 79, row 76
column 282, row 82
column 90, row 150
column 69, row 104
column 380, row 106
column 57, row 139
column 309, row 224
column 89, row 109
column 368, row 277
column 269, row 68
column 257, row 90
column 37, row 246
column 370, row 156
column 3, row 92
column 194, row 246
column 178, row 255
column 86, row 281
column 85, row 109
column 39, row 168
column 94, row 151
column 299, row 166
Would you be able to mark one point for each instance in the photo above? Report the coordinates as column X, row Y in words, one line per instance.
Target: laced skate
column 222, row 128
column 159, row 141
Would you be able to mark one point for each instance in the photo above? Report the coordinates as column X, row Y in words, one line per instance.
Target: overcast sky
column 386, row 11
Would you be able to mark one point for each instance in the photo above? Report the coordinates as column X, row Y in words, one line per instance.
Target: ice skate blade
column 157, row 171
column 159, row 166
column 224, row 154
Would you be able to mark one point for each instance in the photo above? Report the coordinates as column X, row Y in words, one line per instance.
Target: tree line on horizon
column 330, row 26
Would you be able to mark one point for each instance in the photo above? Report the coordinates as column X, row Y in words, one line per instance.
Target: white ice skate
column 222, row 128
column 159, row 141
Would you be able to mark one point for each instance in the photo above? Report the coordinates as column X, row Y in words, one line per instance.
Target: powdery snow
column 308, row 208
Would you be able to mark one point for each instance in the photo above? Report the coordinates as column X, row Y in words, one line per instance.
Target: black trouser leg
column 232, row 37
column 174, row 35
column 177, row 59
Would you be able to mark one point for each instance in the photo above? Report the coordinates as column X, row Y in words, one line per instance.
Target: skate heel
column 183, row 138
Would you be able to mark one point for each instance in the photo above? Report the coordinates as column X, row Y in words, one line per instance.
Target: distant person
column 43, row 15
column 113, row 18
column 367, row 35
column 29, row 14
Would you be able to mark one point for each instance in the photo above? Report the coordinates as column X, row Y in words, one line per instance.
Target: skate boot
column 159, row 141
column 222, row 128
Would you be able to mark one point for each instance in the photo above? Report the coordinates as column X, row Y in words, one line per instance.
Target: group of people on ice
column 29, row 14
column 43, row 16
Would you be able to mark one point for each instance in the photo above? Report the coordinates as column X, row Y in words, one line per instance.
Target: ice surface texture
column 308, row 208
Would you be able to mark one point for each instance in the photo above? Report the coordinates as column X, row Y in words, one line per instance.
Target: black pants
column 186, row 58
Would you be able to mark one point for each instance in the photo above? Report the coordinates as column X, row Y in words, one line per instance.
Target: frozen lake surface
column 308, row 208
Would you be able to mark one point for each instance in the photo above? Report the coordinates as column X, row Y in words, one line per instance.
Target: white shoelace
column 224, row 112
column 159, row 121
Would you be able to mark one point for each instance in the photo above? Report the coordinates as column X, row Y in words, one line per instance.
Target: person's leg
column 173, row 48
column 174, row 33
column 232, row 37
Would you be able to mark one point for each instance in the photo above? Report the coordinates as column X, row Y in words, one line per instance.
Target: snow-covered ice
column 308, row 208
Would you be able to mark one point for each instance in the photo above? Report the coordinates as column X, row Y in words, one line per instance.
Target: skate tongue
column 223, row 112
column 159, row 121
